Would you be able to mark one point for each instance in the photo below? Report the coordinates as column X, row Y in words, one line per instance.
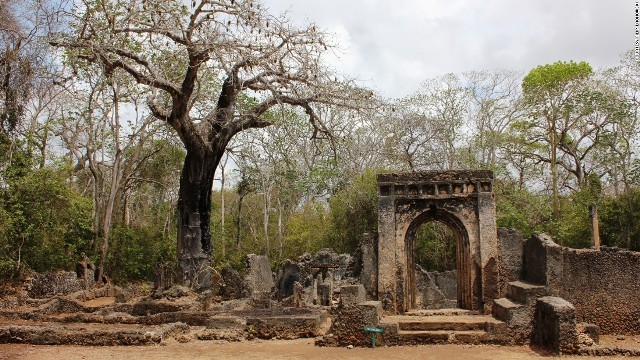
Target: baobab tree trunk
column 194, row 208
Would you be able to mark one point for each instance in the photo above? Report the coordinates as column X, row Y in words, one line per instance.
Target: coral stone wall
column 604, row 286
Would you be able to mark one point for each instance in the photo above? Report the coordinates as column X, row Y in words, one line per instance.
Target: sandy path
column 265, row 350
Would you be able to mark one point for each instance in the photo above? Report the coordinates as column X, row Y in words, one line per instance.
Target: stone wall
column 349, row 322
column 602, row 285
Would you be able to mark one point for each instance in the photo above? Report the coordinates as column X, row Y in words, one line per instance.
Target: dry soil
column 266, row 350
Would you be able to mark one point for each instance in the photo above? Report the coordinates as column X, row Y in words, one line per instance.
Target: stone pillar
column 387, row 253
column 595, row 226
column 488, row 239
column 369, row 271
column 325, row 289
column 86, row 271
column 316, row 289
column 298, row 292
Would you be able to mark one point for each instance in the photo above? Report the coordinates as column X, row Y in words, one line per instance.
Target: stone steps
column 505, row 309
column 454, row 323
column 525, row 293
column 516, row 310
column 430, row 329
column 521, row 297
column 445, row 336
column 440, row 312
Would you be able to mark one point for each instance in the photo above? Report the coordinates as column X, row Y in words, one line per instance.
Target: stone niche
column 464, row 201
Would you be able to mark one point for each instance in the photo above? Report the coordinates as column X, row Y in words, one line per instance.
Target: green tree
column 619, row 220
column 551, row 93
column 354, row 211
column 171, row 49
column 48, row 223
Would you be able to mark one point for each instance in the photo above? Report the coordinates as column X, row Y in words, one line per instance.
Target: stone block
column 258, row 277
column 555, row 325
column 351, row 295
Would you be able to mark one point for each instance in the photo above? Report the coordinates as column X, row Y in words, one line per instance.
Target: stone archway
column 464, row 277
column 461, row 199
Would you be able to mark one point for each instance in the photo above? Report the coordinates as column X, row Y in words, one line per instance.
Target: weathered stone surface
column 51, row 284
column 86, row 271
column 258, row 277
column 446, row 281
column 291, row 273
column 61, row 305
column 366, row 263
column 231, row 284
column 143, row 308
column 542, row 262
column 351, row 295
column 325, row 292
column 57, row 334
column 429, row 295
column 511, row 244
column 349, row 322
column 554, row 325
column 288, row 326
column 298, row 295
column 430, row 328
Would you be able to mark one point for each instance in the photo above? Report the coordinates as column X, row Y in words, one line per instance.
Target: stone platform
column 441, row 326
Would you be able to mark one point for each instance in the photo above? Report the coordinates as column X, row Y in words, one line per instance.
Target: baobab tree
column 212, row 69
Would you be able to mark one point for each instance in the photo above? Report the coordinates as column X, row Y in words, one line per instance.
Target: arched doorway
column 461, row 260
column 463, row 200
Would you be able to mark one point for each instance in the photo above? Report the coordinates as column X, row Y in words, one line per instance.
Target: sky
column 393, row 46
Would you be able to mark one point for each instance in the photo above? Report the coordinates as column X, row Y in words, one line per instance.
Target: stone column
column 387, row 253
column 488, row 238
column 595, row 226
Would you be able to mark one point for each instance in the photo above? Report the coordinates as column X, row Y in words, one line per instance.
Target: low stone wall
column 602, row 285
column 288, row 327
column 54, row 284
column 349, row 322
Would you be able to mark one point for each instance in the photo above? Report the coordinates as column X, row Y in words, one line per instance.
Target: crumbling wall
column 602, row 285
column 366, row 264
column 349, row 322
column 320, row 275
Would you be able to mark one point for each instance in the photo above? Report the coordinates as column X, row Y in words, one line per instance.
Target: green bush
column 619, row 220
column 354, row 211
column 44, row 224
column 136, row 251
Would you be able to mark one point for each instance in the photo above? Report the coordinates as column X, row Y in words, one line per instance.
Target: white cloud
column 395, row 45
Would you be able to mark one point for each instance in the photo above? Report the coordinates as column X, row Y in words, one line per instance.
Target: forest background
column 86, row 166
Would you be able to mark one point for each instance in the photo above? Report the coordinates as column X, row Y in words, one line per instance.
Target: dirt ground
column 266, row 350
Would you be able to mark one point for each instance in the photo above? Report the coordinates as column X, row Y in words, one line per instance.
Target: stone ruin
column 504, row 290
